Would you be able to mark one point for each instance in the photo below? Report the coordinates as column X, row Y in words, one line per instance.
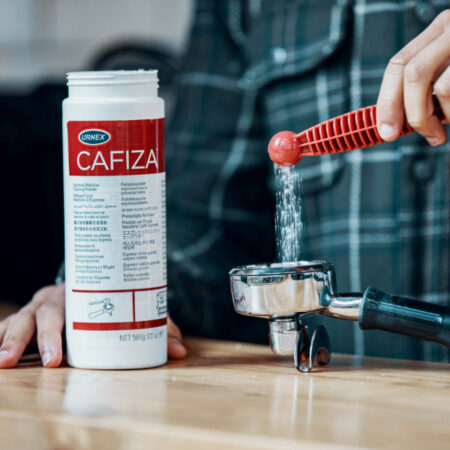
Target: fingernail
column 386, row 131
column 4, row 354
column 47, row 357
column 176, row 341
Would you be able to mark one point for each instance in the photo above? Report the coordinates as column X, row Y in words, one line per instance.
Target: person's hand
column 175, row 347
column 43, row 317
column 421, row 68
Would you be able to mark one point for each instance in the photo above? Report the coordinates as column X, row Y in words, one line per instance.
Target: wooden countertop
column 228, row 396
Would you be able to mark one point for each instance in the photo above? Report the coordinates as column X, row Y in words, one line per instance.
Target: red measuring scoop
column 350, row 131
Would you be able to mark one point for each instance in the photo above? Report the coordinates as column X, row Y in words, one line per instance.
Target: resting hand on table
column 421, row 68
column 43, row 316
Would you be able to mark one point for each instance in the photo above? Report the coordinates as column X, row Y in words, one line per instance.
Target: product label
column 125, row 148
column 115, row 228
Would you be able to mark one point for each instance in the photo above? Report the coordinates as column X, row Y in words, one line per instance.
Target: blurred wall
column 42, row 39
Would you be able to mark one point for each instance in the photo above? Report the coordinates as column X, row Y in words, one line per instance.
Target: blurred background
column 41, row 40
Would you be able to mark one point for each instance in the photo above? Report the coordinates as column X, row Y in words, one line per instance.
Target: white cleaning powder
column 115, row 220
column 288, row 214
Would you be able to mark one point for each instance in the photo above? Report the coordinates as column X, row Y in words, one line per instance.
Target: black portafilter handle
column 406, row 316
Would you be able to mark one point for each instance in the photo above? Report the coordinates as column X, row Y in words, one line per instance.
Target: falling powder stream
column 288, row 213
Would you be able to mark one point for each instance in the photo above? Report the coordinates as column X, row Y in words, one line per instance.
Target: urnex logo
column 94, row 136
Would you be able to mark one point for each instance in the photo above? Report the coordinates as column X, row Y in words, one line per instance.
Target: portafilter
column 283, row 293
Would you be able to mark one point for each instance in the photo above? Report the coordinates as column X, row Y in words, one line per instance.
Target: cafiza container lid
column 105, row 77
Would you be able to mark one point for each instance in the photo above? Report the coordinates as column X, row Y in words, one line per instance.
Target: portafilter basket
column 285, row 292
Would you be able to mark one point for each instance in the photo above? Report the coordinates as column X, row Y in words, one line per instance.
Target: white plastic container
column 115, row 220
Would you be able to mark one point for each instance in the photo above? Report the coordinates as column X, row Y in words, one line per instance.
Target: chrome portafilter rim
column 281, row 268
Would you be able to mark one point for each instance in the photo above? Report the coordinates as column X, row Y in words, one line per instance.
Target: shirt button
column 327, row 49
column 425, row 12
column 279, row 55
column 422, row 170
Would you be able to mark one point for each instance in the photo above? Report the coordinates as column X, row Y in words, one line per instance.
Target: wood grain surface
column 228, row 396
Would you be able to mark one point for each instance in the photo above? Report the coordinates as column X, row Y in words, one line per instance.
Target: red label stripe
column 123, row 290
column 107, row 326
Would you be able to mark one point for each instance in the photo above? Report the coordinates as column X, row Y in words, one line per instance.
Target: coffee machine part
column 285, row 292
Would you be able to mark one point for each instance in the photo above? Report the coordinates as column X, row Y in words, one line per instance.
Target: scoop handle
column 350, row 131
column 406, row 316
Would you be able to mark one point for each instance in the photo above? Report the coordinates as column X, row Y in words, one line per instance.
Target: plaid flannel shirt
column 380, row 215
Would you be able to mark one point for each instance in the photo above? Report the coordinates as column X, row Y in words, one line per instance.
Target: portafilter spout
column 284, row 292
